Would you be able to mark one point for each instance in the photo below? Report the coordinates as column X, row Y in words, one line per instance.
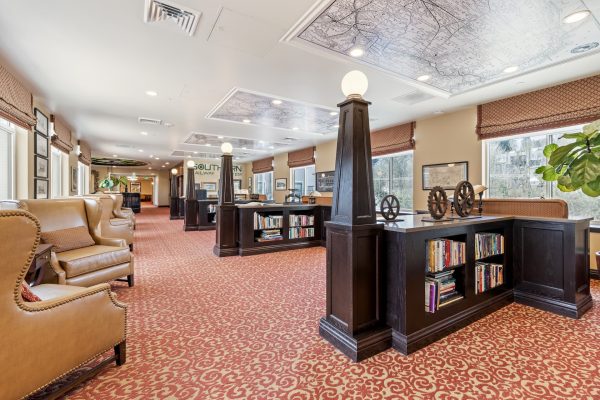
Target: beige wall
column 444, row 139
column 594, row 247
column 281, row 170
column 211, row 172
column 325, row 159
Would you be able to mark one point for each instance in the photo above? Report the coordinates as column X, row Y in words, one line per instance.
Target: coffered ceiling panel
column 459, row 44
column 239, row 144
column 252, row 108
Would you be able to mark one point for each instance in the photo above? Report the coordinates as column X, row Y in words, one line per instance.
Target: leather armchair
column 42, row 341
column 111, row 226
column 119, row 211
column 108, row 259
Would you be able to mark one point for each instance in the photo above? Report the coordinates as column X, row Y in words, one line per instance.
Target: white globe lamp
column 355, row 84
column 174, row 171
column 191, row 164
column 226, row 148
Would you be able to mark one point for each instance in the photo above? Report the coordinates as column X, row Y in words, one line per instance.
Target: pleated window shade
column 393, row 140
column 62, row 138
column 85, row 153
column 301, row 158
column 567, row 104
column 263, row 165
column 16, row 102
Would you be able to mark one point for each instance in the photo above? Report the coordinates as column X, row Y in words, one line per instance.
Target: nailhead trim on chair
column 25, row 307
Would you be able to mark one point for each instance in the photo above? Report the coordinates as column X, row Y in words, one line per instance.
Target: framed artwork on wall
column 74, row 179
column 41, row 188
column 325, row 181
column 41, row 124
column 446, row 175
column 135, row 187
column 209, row 186
column 41, row 145
column 281, row 184
column 41, row 167
column 237, row 184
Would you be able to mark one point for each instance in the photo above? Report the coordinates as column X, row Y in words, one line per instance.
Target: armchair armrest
column 109, row 241
column 119, row 213
column 55, row 265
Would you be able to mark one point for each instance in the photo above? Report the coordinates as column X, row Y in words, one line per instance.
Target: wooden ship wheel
column 437, row 202
column 389, row 207
column 464, row 198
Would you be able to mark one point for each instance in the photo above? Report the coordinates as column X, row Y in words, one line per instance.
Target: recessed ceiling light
column 333, row 113
column 261, row 141
column 167, row 163
column 114, row 155
column 277, row 102
column 149, row 167
column 576, row 16
column 151, row 156
column 357, row 52
column 246, row 121
column 141, row 151
column 189, row 156
column 295, row 128
column 438, row 112
column 584, row 47
column 168, row 124
column 508, row 70
column 244, row 148
column 271, row 147
column 151, row 93
column 220, row 137
column 424, row 78
column 144, row 133
column 208, row 144
column 195, row 152
column 156, row 158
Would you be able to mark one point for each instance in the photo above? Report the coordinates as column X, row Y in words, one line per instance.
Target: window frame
column 10, row 129
column 254, row 182
column 292, row 184
column 391, row 176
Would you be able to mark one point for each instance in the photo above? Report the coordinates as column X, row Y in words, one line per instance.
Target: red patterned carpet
column 246, row 328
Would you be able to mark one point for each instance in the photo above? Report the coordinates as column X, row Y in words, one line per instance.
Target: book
column 488, row 244
column 444, row 253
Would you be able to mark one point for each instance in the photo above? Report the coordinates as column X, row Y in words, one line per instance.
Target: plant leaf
column 585, row 169
column 559, row 155
column 549, row 149
column 542, row 168
column 578, row 136
column 549, row 175
column 586, row 189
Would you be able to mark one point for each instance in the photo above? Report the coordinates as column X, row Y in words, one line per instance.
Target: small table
column 40, row 262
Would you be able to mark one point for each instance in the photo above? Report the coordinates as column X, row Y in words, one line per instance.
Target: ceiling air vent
column 149, row 121
column 413, row 97
column 186, row 18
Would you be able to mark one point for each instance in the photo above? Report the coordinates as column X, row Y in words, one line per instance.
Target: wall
column 594, row 247
column 160, row 189
column 325, row 159
column 281, row 170
column 209, row 171
column 444, row 139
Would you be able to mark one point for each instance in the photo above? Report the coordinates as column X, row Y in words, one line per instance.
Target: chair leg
column 131, row 247
column 130, row 280
column 121, row 353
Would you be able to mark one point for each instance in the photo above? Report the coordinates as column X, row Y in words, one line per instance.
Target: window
column 83, row 179
column 263, row 184
column 303, row 180
column 393, row 174
column 6, row 160
column 511, row 164
column 56, row 169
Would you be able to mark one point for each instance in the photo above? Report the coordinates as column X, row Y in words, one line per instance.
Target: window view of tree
column 263, row 184
column 511, row 164
column 394, row 175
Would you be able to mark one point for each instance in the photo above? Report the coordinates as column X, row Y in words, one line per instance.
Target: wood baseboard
column 248, row 251
column 595, row 273
column 225, row 252
column 571, row 310
column 360, row 347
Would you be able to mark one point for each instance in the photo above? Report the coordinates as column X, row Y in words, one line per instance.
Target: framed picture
column 41, row 188
column 237, row 184
column 135, row 187
column 41, row 167
column 74, row 179
column 325, row 181
column 281, row 184
column 209, row 186
column 445, row 175
column 250, row 183
column 42, row 122
column 41, row 145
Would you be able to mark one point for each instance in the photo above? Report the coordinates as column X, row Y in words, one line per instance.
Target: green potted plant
column 112, row 181
column 575, row 165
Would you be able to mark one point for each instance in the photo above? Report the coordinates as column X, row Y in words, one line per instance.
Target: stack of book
column 444, row 253
column 488, row 244
column 440, row 291
column 302, row 220
column 298, row 232
column 269, row 235
column 488, row 276
column 267, row 221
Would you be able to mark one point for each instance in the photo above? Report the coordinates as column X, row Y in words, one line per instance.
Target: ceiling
column 93, row 66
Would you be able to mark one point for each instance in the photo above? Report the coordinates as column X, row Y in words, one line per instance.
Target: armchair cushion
column 27, row 294
column 93, row 258
column 51, row 291
column 68, row 239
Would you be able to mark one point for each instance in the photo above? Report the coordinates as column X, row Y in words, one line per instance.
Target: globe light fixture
column 354, row 84
column 191, row 164
column 226, row 148
column 174, row 171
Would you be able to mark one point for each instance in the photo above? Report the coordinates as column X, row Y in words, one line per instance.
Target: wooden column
column 226, row 238
column 190, row 220
column 355, row 318
column 174, row 204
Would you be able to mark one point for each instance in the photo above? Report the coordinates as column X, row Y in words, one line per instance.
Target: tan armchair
column 120, row 211
column 111, row 226
column 42, row 341
column 103, row 260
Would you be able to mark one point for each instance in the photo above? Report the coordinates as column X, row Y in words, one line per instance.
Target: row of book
column 444, row 253
column 267, row 221
column 212, row 208
column 269, row 235
column 440, row 291
column 302, row 220
column 488, row 244
column 298, row 232
column 488, row 276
